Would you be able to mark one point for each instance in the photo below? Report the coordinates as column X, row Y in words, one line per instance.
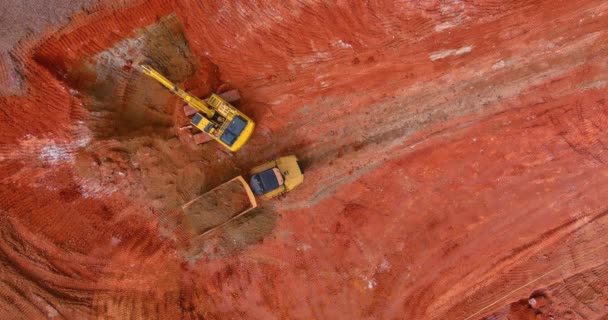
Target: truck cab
column 276, row 177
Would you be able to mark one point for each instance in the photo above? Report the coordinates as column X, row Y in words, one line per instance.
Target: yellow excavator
column 216, row 117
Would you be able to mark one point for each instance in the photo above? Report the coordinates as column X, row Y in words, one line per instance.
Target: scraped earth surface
column 455, row 159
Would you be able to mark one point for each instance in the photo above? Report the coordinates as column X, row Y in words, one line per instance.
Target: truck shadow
column 234, row 236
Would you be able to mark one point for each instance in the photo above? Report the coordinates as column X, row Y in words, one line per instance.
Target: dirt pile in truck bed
column 455, row 152
column 216, row 206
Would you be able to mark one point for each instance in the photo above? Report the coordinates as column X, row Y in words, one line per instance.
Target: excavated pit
column 135, row 145
column 455, row 159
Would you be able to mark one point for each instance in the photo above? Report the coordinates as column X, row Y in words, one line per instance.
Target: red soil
column 455, row 157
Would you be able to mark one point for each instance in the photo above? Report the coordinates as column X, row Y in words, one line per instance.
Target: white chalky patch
column 371, row 283
column 445, row 25
column 93, row 189
column 54, row 154
column 498, row 65
column 342, row 44
column 51, row 312
column 384, row 266
column 115, row 241
column 304, row 247
column 451, row 52
column 309, row 60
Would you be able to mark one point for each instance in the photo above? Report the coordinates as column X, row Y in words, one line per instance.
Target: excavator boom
column 194, row 102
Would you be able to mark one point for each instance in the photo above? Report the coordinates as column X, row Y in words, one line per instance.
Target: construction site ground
column 455, row 156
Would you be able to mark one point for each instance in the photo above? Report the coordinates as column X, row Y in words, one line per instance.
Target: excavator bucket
column 217, row 207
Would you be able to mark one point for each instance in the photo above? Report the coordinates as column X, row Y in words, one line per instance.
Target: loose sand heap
column 455, row 156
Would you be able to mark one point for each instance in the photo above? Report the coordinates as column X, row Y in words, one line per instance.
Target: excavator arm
column 194, row 102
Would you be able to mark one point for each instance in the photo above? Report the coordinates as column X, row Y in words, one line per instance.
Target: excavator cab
column 227, row 125
column 222, row 129
column 276, row 177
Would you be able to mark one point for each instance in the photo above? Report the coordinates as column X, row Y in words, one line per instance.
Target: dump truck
column 230, row 200
column 215, row 116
